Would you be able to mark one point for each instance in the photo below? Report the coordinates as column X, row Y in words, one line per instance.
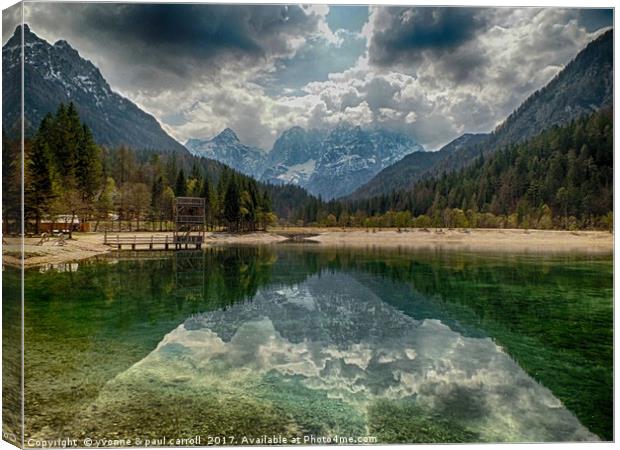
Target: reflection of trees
column 149, row 289
column 11, row 356
column 549, row 313
column 87, row 325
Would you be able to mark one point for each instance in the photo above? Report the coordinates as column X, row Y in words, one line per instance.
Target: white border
column 546, row 3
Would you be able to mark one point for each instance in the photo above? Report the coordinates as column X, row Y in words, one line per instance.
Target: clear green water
column 300, row 341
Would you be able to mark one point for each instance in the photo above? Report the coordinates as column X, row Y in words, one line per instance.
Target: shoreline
column 88, row 245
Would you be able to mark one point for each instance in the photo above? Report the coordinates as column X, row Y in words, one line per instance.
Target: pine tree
column 251, row 205
column 69, row 133
column 88, row 165
column 38, row 189
column 232, row 212
column 157, row 192
column 11, row 183
column 180, row 187
column 55, row 136
column 207, row 195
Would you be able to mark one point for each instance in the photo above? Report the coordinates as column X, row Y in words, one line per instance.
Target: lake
column 234, row 344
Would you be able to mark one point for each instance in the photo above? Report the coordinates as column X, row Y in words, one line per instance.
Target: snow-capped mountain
column 226, row 148
column 327, row 163
column 57, row 73
column 294, row 157
column 350, row 156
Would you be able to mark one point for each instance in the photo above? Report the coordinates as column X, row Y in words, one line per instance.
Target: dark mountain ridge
column 412, row 167
column 328, row 163
column 585, row 85
column 55, row 74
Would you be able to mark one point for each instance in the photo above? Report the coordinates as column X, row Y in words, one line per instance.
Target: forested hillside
column 562, row 178
column 404, row 173
column 582, row 87
column 67, row 174
column 54, row 74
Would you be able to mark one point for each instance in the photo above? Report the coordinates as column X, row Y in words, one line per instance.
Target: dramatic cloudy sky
column 433, row 73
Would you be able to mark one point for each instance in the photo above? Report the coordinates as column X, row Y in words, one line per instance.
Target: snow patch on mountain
column 226, row 148
column 329, row 163
column 55, row 74
column 299, row 173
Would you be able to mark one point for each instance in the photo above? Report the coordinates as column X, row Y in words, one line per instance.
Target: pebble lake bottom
column 298, row 342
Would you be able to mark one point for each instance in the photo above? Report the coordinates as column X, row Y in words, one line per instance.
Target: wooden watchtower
column 189, row 221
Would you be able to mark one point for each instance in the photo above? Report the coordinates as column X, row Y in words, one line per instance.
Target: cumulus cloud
column 406, row 34
column 152, row 47
column 432, row 73
column 470, row 85
column 466, row 82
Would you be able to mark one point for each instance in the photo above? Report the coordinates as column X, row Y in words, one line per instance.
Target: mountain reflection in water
column 332, row 339
column 302, row 340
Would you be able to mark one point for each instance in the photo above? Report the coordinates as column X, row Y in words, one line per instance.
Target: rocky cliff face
column 327, row 163
column 226, row 148
column 55, row 74
column 583, row 86
column 350, row 156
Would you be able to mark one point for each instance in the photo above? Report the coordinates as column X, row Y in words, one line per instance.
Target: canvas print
column 229, row 224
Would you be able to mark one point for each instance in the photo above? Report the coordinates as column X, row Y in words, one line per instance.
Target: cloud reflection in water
column 334, row 335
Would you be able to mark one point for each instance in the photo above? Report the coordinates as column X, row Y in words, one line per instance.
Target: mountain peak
column 228, row 135
column 29, row 35
column 58, row 74
column 16, row 39
column 62, row 43
column 583, row 86
column 294, row 130
column 18, row 29
column 192, row 141
column 345, row 125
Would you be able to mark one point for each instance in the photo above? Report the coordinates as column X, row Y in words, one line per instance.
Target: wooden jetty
column 154, row 242
column 189, row 230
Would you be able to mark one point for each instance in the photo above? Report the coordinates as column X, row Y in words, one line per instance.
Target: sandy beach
column 503, row 240
column 87, row 245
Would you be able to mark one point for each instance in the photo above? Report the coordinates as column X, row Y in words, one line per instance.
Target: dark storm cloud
column 448, row 38
column 431, row 72
column 404, row 34
column 199, row 30
column 462, row 66
column 154, row 40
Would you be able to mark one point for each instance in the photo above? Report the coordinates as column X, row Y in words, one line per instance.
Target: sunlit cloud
column 432, row 73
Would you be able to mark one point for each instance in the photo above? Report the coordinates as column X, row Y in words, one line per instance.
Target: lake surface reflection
column 406, row 347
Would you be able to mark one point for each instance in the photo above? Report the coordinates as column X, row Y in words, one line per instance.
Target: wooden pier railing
column 152, row 242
